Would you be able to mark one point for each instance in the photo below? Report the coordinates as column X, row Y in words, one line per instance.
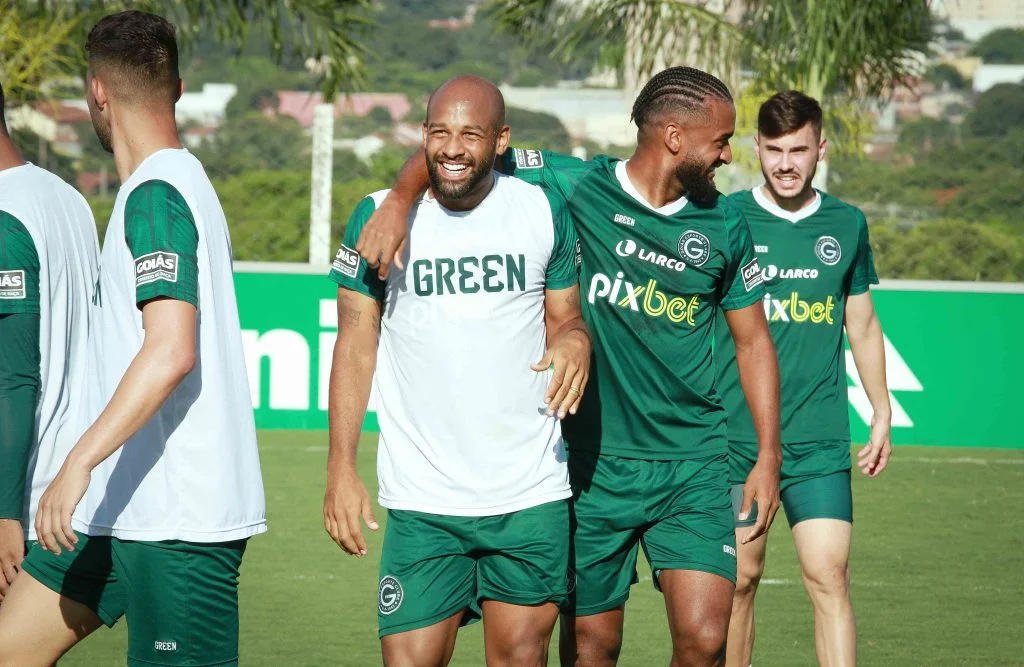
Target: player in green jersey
column 662, row 252
column 817, row 267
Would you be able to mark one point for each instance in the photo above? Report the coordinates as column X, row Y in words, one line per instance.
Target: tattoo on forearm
column 350, row 316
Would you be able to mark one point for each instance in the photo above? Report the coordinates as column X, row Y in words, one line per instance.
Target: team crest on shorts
column 389, row 595
column 828, row 250
column 694, row 248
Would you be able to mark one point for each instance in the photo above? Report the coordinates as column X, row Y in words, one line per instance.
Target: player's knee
column 748, row 576
column 527, row 651
column 699, row 644
column 828, row 580
column 597, row 644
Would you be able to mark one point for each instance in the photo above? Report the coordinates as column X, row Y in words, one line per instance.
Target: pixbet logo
column 647, row 298
column 794, row 309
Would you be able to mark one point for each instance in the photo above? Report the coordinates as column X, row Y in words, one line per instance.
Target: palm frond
column 638, row 36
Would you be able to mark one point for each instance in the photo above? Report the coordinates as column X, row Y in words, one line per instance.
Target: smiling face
column 788, row 162
column 463, row 133
column 707, row 149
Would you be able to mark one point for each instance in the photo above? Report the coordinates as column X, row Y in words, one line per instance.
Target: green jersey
column 652, row 280
column 811, row 262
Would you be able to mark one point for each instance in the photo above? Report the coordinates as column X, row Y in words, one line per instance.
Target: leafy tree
column 33, row 50
column 330, row 30
column 253, row 141
column 944, row 74
column 536, row 128
column 997, row 111
column 842, row 52
column 948, row 250
column 1005, row 45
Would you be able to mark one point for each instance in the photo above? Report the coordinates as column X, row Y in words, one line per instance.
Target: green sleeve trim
column 349, row 270
column 162, row 236
column 19, row 268
column 19, row 393
column 563, row 268
column 560, row 173
column 742, row 280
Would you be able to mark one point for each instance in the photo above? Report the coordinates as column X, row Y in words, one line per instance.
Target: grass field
column 937, row 572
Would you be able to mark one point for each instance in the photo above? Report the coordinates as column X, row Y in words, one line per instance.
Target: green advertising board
column 953, row 356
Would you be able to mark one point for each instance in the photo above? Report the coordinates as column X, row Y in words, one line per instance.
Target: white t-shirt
column 192, row 472
column 463, row 429
column 63, row 231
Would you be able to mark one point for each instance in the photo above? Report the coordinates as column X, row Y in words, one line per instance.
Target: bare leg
column 698, row 605
column 38, row 625
column 749, row 568
column 823, row 546
column 431, row 646
column 518, row 635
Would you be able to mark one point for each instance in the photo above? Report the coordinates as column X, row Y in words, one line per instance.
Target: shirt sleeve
column 742, row 282
column 863, row 272
column 349, row 270
column 19, row 268
column 564, row 264
column 162, row 236
column 557, row 172
column 19, row 392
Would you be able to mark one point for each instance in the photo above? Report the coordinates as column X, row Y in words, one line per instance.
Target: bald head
column 470, row 95
column 463, row 134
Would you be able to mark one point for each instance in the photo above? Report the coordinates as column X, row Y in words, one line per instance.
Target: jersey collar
column 670, row 208
column 779, row 212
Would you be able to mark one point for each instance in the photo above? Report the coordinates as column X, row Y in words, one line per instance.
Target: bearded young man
column 817, row 267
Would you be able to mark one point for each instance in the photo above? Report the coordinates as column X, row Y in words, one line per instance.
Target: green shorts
column 814, row 482
column 433, row 566
column 679, row 511
column 813, row 497
column 180, row 598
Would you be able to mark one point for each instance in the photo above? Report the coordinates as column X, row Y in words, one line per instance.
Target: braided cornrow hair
column 683, row 87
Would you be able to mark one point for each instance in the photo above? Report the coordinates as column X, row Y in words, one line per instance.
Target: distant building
column 987, row 76
column 598, row 114
column 976, row 18
column 300, row 105
column 56, row 122
column 207, row 107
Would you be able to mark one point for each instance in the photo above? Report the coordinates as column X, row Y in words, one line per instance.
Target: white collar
column 779, row 212
column 670, row 208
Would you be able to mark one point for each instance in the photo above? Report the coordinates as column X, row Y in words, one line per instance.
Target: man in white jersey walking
column 48, row 259
column 482, row 347
column 161, row 530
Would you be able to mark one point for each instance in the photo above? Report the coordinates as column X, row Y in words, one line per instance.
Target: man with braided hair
column 662, row 251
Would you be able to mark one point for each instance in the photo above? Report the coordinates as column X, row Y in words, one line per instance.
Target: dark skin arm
column 759, row 376
column 382, row 240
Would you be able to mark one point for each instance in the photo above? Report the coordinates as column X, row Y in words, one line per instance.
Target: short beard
column 456, row 191
column 104, row 135
column 694, row 177
column 808, row 186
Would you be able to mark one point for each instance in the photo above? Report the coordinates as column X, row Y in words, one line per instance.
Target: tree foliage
column 842, row 52
column 997, row 111
column 330, row 31
column 1003, row 46
column 33, row 50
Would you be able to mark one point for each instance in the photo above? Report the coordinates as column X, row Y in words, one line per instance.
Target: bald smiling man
column 480, row 349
